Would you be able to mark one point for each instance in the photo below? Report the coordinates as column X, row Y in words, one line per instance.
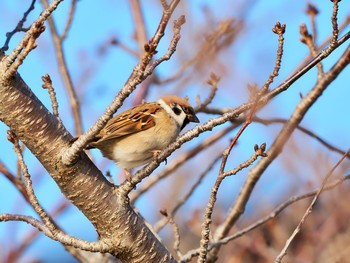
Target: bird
column 135, row 136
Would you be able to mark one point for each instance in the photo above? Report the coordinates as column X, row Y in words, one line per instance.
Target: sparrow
column 133, row 137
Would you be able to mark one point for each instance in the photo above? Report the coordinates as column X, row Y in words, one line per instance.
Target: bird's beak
column 192, row 117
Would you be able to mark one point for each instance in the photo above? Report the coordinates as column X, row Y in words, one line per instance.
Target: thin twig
column 19, row 27
column 140, row 27
column 48, row 85
column 213, row 82
column 195, row 252
column 228, row 114
column 278, row 210
column 312, row 11
column 277, row 146
column 171, row 220
column 172, row 47
column 114, row 41
column 151, row 66
column 214, row 42
column 141, row 39
column 29, row 238
column 304, row 130
column 308, row 210
column 279, row 30
column 260, row 151
column 69, row 20
column 307, row 39
column 286, row 84
column 65, row 74
column 324, row 44
column 335, row 32
column 99, row 246
column 161, row 223
column 18, row 166
column 174, row 165
column 17, row 182
column 10, row 59
column 28, row 185
column 137, row 76
column 28, row 45
column 311, row 40
column 32, row 199
column 164, row 4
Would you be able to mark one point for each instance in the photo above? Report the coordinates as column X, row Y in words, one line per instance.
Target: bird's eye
column 176, row 110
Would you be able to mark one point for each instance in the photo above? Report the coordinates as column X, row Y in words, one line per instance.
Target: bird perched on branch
column 133, row 137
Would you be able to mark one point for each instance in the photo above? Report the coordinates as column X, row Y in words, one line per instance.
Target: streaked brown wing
column 134, row 120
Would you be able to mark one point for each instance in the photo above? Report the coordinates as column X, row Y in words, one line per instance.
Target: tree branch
column 63, row 67
column 19, row 27
column 277, row 146
column 173, row 166
column 308, row 210
column 9, row 61
column 61, row 237
column 137, row 76
column 195, row 252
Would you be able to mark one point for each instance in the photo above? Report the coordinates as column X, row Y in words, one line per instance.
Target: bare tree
column 209, row 233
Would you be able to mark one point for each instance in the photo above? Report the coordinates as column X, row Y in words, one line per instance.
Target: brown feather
column 129, row 122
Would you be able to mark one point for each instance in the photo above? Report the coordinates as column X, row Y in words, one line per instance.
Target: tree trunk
column 82, row 183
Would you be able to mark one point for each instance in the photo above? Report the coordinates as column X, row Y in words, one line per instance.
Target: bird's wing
column 132, row 121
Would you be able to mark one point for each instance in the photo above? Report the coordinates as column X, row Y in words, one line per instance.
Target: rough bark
column 81, row 183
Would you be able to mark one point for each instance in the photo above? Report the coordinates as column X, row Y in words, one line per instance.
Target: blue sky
column 98, row 78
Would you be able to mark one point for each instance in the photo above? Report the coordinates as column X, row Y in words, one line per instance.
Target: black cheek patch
column 186, row 121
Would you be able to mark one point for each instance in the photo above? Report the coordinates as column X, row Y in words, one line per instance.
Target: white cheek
column 180, row 119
